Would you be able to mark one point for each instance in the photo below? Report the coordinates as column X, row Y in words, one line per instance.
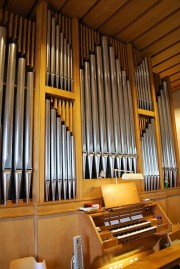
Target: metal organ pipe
column 60, row 178
column 53, row 71
column 18, row 126
column 28, row 134
column 143, row 85
column 95, row 115
column 115, row 107
column 107, row 115
column 121, row 117
column 108, row 105
column 83, row 116
column 132, row 131
column 102, row 115
column 48, row 41
column 172, row 155
column 168, row 150
column 59, row 53
column 59, row 156
column 47, row 151
column 150, row 160
column 8, row 120
column 126, row 117
column 53, row 152
column 73, row 167
column 60, row 181
column 3, row 33
column 88, row 113
column 61, row 60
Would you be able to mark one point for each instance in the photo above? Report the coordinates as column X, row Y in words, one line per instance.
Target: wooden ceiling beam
column 149, row 19
column 100, row 14
column 77, row 8
column 175, row 83
column 167, row 64
column 19, row 7
column 164, row 42
column 170, row 71
column 175, row 77
column 155, row 33
column 166, row 54
column 125, row 16
column 175, row 89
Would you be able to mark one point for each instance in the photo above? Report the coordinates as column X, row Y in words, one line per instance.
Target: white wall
column 176, row 103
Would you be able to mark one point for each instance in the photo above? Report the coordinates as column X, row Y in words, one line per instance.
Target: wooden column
column 77, row 106
column 39, row 104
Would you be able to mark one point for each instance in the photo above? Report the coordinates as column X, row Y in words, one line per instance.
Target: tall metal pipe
column 89, row 137
column 3, row 33
column 65, row 64
column 53, row 44
column 18, row 127
column 57, row 56
column 132, row 131
column 61, row 66
column 53, row 153
column 127, row 120
column 59, row 156
column 171, row 145
column 108, row 105
column 71, row 69
column 102, row 113
column 148, row 82
column 121, row 116
column 48, row 49
column 83, row 116
column 115, row 107
column 95, row 114
column 68, row 68
column 73, row 167
column 8, row 120
column 28, row 135
column 69, row 167
column 64, row 157
column 154, row 143
column 47, row 151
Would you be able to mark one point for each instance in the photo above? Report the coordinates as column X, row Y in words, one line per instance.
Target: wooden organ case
column 119, row 237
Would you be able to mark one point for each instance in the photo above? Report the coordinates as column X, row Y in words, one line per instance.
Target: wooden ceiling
column 152, row 26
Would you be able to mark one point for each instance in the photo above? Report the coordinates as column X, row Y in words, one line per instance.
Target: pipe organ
column 17, row 41
column 141, row 71
column 147, row 121
column 108, row 137
column 60, row 152
column 167, row 141
column 102, row 92
column 149, row 154
column 60, row 182
column 59, row 53
column 67, row 116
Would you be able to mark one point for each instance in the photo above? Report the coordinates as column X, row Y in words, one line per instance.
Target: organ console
column 120, row 236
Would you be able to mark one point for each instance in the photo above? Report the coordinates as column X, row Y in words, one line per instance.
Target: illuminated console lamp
column 132, row 176
column 128, row 175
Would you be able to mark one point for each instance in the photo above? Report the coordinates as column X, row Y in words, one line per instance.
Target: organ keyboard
column 117, row 237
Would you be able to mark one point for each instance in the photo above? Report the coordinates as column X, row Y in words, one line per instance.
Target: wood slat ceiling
column 152, row 26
